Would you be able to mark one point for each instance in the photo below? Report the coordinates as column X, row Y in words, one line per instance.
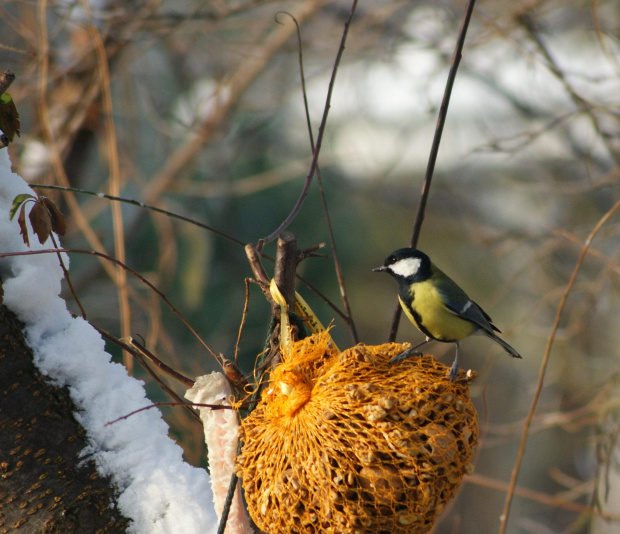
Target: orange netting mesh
column 347, row 443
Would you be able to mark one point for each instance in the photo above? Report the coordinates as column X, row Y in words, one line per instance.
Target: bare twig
column 244, row 314
column 187, row 382
column 256, row 265
column 139, row 356
column 179, row 403
column 133, row 273
column 133, row 202
column 430, row 168
column 544, row 363
column 68, row 278
column 540, row 497
column 319, row 141
column 330, row 232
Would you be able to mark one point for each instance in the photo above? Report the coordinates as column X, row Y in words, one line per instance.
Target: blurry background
column 207, row 120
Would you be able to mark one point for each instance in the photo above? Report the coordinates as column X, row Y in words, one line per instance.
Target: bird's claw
column 454, row 370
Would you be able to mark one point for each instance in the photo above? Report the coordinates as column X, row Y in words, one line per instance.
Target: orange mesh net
column 347, row 443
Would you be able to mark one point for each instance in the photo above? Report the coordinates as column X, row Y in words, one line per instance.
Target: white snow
column 159, row 491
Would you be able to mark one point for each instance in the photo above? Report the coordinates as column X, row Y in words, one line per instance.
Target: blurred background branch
column 209, row 123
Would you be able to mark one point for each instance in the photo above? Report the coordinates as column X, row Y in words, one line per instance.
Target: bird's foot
column 409, row 353
column 454, row 370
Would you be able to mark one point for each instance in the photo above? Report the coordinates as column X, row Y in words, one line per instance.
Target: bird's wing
column 460, row 304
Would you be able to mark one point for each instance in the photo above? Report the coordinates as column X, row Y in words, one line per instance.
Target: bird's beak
column 379, row 269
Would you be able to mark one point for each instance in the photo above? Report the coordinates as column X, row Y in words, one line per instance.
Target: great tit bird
column 436, row 305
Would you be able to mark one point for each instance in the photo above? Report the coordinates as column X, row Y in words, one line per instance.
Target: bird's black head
column 407, row 264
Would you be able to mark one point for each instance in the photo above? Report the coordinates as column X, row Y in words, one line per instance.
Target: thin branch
column 244, row 314
column 544, row 363
column 187, row 382
column 141, row 205
column 159, row 404
column 256, row 265
column 65, row 272
column 540, row 497
column 132, row 272
column 430, row 167
column 319, row 141
column 139, row 356
column 330, row 232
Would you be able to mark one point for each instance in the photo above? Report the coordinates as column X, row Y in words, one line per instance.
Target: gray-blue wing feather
column 457, row 301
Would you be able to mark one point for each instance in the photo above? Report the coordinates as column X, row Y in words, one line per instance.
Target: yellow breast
column 430, row 315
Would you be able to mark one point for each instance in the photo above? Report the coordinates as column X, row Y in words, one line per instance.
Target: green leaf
column 17, row 202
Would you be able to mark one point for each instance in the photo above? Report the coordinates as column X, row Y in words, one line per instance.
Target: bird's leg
column 455, row 365
column 409, row 352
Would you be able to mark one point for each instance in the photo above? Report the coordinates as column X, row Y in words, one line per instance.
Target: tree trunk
column 45, row 486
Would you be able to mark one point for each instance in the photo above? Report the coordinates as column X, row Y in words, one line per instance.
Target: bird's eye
column 391, row 259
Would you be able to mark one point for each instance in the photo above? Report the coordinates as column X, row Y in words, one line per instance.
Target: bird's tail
column 500, row 341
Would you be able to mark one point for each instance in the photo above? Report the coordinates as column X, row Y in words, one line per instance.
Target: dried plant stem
column 544, row 363
column 56, row 160
column 229, row 94
column 120, row 277
column 540, row 497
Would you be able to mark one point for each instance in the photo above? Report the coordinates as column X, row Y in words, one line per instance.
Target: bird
column 436, row 305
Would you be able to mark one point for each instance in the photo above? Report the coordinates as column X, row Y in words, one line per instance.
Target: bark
column 45, row 486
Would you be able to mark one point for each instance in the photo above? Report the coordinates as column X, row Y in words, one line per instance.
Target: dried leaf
column 58, row 221
column 9, row 117
column 41, row 221
column 23, row 229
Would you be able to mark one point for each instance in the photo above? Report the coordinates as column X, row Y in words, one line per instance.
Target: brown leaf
column 41, row 221
column 58, row 221
column 23, row 229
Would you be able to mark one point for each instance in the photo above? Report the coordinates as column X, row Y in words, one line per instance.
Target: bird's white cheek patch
column 406, row 267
